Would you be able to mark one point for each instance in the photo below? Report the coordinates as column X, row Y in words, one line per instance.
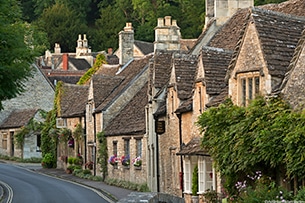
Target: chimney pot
column 110, row 51
column 168, row 20
column 160, row 22
column 128, row 27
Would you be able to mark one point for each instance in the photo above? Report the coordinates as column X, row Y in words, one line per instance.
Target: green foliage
column 100, row 60
column 300, row 195
column 64, row 135
column 102, row 154
column 266, row 136
column 17, row 51
column 78, row 132
column 128, row 185
column 62, row 25
column 263, row 192
column 195, row 181
column 48, row 161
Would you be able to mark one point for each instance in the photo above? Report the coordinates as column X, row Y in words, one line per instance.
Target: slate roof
column 185, row 68
column 215, row 64
column 293, row 7
column 278, row 34
column 193, row 148
column 161, row 110
column 187, row 44
column 218, row 99
column 229, row 34
column 107, row 69
column 145, row 47
column 80, row 64
column 185, row 106
column 131, row 120
column 293, row 84
column 73, row 100
column 161, row 68
column 18, row 118
column 128, row 73
column 71, row 79
column 103, row 86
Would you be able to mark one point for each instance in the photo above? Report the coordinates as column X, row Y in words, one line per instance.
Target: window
column 4, row 141
column 38, row 141
column 205, row 174
column 115, row 147
column 249, row 88
column 187, row 175
column 139, row 147
column 126, row 147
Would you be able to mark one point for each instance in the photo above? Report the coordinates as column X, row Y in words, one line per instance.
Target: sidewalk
column 112, row 193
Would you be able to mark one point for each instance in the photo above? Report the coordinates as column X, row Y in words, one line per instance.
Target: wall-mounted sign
column 160, row 127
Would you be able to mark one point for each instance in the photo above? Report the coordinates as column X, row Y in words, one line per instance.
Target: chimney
column 85, row 42
column 126, row 42
column 167, row 35
column 225, row 9
column 65, row 62
column 57, row 49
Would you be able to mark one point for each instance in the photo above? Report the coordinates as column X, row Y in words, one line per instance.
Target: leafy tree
column 62, row 26
column 266, row 136
column 17, row 50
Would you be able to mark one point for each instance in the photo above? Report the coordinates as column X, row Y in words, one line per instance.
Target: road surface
column 24, row 186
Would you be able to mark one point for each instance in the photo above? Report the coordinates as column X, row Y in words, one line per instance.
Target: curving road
column 30, row 187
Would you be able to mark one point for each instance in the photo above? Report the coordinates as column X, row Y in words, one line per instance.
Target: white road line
column 10, row 192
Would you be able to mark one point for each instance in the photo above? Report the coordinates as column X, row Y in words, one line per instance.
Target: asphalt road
column 24, row 186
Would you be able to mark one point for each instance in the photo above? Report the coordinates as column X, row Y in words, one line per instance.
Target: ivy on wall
column 266, row 136
column 103, row 154
column 100, row 60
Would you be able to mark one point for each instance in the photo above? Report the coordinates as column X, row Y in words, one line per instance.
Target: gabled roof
column 218, row 99
column 278, row 34
column 129, row 73
column 145, row 47
column 215, row 65
column 18, row 118
column 80, row 64
column 103, row 86
column 131, row 119
column 187, row 44
column 193, row 148
column 228, row 35
column 161, row 68
column 185, row 68
column 293, row 84
column 293, row 7
column 73, row 100
column 107, row 69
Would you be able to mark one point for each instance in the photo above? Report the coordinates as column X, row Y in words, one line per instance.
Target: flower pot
column 195, row 199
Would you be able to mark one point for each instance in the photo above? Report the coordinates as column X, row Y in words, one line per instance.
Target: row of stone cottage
column 148, row 105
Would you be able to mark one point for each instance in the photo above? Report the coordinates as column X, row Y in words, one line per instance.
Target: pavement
column 110, row 193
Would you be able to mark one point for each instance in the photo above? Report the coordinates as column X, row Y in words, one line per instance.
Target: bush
column 48, row 161
column 300, row 195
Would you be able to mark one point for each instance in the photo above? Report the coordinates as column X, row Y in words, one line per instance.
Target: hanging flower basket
column 137, row 162
column 125, row 160
column 113, row 160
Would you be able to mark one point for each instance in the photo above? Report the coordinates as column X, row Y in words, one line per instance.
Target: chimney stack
column 126, row 42
column 110, row 51
column 167, row 35
column 57, row 49
column 65, row 62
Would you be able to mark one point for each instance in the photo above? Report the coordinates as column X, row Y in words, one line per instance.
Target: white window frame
column 205, row 170
column 187, row 176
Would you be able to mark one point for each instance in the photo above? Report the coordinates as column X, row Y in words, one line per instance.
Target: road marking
column 10, row 192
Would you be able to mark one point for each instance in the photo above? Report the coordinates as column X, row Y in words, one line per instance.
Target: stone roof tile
column 131, row 119
column 18, row 118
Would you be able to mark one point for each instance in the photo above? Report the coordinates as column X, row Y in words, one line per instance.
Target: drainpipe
column 85, row 137
column 180, row 142
column 94, row 144
column 157, row 162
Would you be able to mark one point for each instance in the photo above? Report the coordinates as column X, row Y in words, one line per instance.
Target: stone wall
column 131, row 173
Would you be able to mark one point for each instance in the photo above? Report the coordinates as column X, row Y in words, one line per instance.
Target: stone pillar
column 126, row 42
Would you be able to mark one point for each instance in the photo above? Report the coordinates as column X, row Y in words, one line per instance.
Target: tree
column 62, row 26
column 17, row 50
column 266, row 136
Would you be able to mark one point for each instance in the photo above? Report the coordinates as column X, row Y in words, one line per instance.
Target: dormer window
column 249, row 86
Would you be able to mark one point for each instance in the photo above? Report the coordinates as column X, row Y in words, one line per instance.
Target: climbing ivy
column 49, row 133
column 100, row 60
column 266, row 136
column 103, row 153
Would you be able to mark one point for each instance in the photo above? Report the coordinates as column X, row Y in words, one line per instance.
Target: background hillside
column 101, row 20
